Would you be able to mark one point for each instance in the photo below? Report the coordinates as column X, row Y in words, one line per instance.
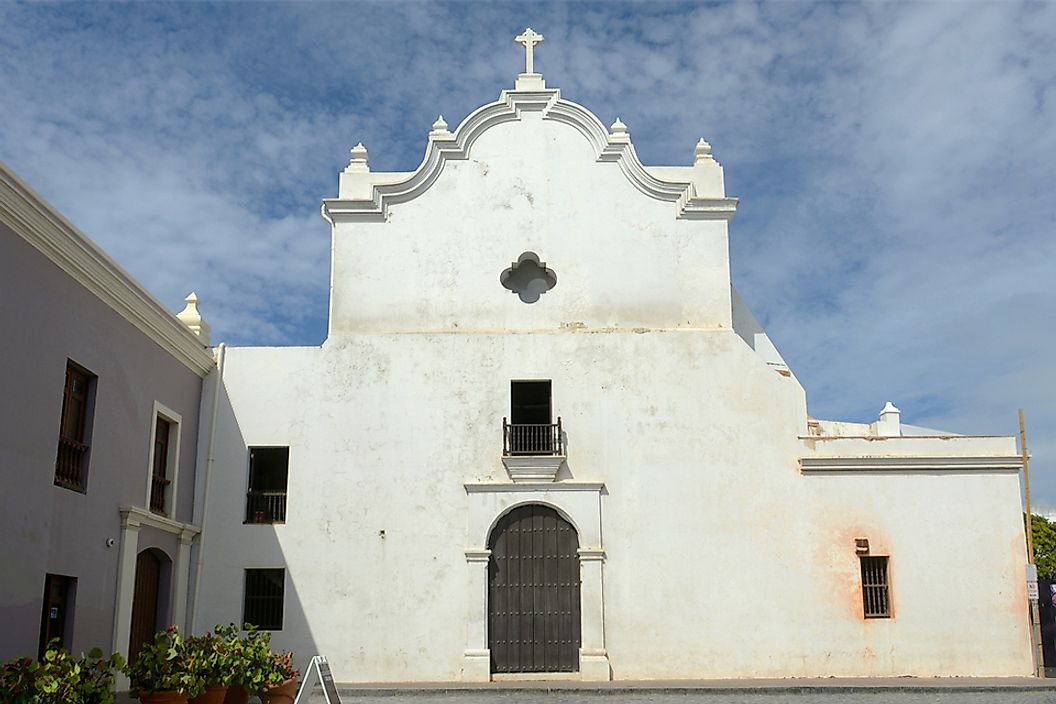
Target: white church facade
column 545, row 438
column 545, row 435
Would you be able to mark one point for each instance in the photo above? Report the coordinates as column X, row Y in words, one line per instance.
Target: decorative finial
column 440, row 128
column 702, row 152
column 192, row 318
column 358, row 163
column 890, row 423
column 528, row 40
column 618, row 132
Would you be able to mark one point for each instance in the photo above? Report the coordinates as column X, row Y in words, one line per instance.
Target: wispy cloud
column 895, row 162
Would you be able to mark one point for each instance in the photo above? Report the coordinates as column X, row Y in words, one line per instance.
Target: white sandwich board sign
column 326, row 680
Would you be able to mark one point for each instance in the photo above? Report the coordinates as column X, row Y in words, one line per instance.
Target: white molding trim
column 443, row 147
column 175, row 421
column 520, row 487
column 525, row 469
column 474, row 555
column 43, row 227
column 577, row 502
column 911, row 464
column 134, row 516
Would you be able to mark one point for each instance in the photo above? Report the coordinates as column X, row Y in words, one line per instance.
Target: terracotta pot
column 167, row 697
column 213, row 694
column 236, row 694
column 281, row 694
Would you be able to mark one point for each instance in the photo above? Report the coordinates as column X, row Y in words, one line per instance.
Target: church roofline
column 369, row 195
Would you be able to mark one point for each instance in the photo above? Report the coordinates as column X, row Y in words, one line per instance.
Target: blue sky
column 896, row 163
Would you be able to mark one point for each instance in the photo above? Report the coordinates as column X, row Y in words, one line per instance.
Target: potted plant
column 281, row 680
column 58, row 678
column 166, row 671
column 212, row 658
column 248, row 661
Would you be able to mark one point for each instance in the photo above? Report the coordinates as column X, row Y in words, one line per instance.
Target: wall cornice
column 446, row 146
column 135, row 516
column 811, row 465
column 515, row 488
column 42, row 226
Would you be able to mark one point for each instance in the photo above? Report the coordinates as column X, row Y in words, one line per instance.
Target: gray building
column 100, row 404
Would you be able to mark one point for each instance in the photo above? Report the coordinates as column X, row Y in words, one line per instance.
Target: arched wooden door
column 144, row 602
column 533, row 592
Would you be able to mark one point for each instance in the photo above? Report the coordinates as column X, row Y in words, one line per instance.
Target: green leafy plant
column 253, row 665
column 59, row 678
column 1044, row 534
column 282, row 668
column 167, row 665
column 17, row 679
column 213, row 656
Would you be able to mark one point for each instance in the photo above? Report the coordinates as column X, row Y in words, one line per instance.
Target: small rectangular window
column 159, row 476
column 71, row 462
column 164, row 460
column 263, row 601
column 56, row 615
column 269, row 469
column 876, row 598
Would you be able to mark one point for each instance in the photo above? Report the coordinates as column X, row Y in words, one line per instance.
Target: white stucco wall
column 622, row 259
column 723, row 556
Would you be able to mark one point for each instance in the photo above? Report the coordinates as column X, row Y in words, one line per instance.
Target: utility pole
column 1032, row 569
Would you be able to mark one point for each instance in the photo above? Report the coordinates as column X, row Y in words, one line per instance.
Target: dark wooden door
column 56, row 604
column 533, row 592
column 144, row 602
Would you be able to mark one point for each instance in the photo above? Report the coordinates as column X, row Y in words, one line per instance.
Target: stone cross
column 528, row 40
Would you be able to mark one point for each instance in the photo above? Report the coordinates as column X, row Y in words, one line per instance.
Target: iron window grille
column 159, row 479
column 263, row 600
column 71, row 460
column 876, row 597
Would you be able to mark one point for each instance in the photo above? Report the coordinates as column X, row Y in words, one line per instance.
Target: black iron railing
column 158, row 485
column 532, row 438
column 70, row 463
column 266, row 507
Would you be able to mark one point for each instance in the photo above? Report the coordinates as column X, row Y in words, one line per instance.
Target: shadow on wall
column 241, row 571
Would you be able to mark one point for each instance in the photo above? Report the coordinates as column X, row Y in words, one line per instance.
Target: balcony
column 69, row 464
column 266, row 507
column 533, row 452
column 158, row 489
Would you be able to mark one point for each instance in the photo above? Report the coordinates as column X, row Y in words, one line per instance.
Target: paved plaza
column 896, row 690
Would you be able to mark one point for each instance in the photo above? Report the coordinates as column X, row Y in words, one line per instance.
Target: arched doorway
column 145, row 601
column 533, row 592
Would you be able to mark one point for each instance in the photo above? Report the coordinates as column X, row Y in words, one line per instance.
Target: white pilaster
column 126, row 586
column 476, row 663
column 593, row 658
column 181, row 573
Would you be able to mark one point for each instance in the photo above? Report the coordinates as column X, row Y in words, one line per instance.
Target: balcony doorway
column 530, row 402
column 530, row 431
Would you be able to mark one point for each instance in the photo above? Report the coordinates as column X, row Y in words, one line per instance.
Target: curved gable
column 366, row 196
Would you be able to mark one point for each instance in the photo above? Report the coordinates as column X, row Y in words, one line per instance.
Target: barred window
column 263, row 601
column 876, row 599
column 159, row 480
column 72, row 458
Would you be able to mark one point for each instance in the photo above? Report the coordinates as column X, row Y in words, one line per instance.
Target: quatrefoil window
column 528, row 277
